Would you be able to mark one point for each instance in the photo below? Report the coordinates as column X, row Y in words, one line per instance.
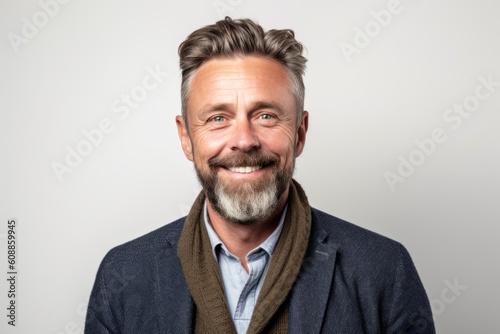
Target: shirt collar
column 268, row 245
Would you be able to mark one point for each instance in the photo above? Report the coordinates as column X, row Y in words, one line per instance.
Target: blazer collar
column 174, row 302
column 309, row 298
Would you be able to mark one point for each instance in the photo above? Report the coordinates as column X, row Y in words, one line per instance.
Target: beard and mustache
column 246, row 202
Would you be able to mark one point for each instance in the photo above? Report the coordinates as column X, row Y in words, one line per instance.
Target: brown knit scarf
column 204, row 279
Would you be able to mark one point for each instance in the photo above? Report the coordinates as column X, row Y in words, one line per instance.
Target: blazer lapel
column 311, row 292
column 175, row 304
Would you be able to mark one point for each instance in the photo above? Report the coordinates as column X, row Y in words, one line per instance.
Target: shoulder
column 345, row 232
column 356, row 244
column 367, row 270
column 134, row 266
column 131, row 279
column 374, row 264
column 144, row 249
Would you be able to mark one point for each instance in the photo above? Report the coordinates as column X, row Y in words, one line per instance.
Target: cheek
column 280, row 137
column 282, row 144
column 206, row 147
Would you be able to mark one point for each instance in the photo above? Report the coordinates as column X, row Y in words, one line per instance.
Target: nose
column 244, row 137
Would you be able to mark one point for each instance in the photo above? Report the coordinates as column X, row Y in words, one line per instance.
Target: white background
column 364, row 115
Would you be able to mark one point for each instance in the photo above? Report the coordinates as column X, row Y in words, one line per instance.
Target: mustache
column 245, row 159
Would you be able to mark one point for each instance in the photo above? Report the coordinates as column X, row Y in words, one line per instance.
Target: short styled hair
column 242, row 37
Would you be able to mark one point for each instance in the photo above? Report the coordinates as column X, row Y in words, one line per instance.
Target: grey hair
column 242, row 37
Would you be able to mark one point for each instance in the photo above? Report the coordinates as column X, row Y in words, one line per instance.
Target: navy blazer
column 352, row 281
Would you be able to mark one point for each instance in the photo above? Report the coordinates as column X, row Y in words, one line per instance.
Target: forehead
column 252, row 77
column 258, row 67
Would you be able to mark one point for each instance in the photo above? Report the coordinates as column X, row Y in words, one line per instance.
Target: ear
column 184, row 137
column 301, row 134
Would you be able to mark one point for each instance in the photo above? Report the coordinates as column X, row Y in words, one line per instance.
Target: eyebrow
column 230, row 107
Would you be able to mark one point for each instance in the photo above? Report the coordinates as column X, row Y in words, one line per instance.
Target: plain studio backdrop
column 404, row 138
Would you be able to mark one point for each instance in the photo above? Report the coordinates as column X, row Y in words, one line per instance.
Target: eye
column 266, row 116
column 218, row 119
column 217, row 122
column 267, row 119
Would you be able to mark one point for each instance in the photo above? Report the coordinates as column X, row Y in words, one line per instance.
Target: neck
column 240, row 239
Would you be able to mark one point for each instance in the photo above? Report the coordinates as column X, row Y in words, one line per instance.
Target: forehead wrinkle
column 217, row 106
column 233, row 73
column 268, row 105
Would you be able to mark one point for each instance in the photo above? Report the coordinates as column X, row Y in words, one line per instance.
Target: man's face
column 243, row 135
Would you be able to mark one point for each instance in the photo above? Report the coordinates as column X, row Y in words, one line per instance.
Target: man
column 252, row 256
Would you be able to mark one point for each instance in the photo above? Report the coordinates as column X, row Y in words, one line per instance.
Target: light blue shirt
column 242, row 288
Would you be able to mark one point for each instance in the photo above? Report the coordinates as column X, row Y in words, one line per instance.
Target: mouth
column 244, row 169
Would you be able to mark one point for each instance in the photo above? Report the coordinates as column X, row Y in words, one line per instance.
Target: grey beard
column 246, row 203
column 253, row 206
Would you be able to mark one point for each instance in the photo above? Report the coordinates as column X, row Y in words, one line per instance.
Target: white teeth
column 244, row 169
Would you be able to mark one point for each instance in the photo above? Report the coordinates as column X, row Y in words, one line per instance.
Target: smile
column 244, row 169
